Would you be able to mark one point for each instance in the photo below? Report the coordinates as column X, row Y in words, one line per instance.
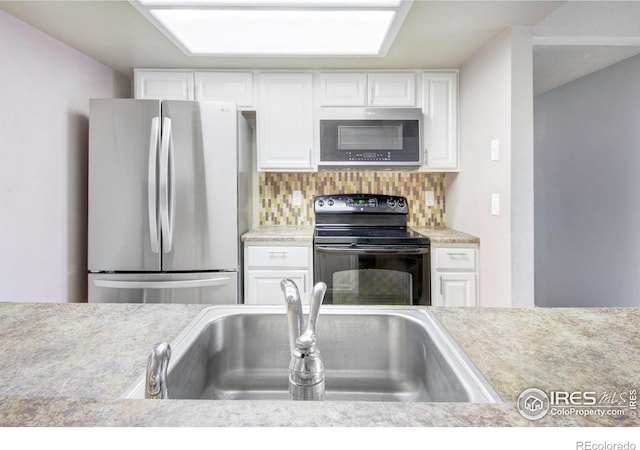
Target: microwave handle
column 375, row 250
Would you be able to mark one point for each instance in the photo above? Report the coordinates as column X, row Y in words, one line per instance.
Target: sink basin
column 399, row 354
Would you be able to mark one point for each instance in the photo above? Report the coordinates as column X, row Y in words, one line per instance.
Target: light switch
column 495, row 149
column 296, row 199
column 430, row 199
column 495, row 204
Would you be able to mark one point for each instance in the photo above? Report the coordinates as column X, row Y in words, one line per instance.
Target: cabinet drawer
column 278, row 257
column 455, row 258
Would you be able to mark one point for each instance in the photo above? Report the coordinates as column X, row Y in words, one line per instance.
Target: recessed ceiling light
column 282, row 28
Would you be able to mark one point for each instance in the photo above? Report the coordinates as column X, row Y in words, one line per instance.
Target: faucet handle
column 317, row 296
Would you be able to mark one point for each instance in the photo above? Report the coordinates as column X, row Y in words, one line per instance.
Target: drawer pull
column 281, row 253
column 457, row 254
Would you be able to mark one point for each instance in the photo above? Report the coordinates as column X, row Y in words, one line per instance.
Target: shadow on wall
column 77, row 200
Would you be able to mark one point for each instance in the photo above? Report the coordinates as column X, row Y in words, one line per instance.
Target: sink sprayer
column 306, row 370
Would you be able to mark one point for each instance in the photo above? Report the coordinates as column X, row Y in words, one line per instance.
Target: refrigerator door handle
column 152, row 187
column 166, row 185
column 120, row 284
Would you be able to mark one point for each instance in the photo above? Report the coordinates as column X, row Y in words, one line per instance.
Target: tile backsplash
column 276, row 190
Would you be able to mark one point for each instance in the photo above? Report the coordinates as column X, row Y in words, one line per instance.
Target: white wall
column 45, row 88
column 587, row 207
column 495, row 103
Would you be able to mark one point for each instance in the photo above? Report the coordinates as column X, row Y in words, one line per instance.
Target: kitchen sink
column 370, row 353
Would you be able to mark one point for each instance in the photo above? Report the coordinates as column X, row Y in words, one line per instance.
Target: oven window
column 372, row 287
column 371, row 278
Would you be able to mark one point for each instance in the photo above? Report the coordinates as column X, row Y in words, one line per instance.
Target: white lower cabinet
column 268, row 263
column 454, row 275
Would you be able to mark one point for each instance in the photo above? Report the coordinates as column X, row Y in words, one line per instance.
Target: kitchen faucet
column 156, row 377
column 306, row 370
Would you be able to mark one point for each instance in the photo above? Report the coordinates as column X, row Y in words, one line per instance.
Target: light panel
column 268, row 32
column 278, row 27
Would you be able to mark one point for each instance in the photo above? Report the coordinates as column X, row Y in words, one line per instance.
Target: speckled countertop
column 290, row 233
column 446, row 235
column 304, row 233
column 67, row 365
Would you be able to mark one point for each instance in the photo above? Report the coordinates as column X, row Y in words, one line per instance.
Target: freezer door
column 206, row 288
column 122, row 192
column 198, row 186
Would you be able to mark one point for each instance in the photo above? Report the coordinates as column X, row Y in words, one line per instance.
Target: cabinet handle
column 441, row 294
column 280, row 253
column 457, row 254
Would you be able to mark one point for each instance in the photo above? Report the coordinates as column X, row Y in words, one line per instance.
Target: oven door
column 373, row 275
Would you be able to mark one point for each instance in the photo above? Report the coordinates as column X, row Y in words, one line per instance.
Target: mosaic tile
column 276, row 189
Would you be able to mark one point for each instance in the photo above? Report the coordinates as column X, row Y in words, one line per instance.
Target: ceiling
column 434, row 35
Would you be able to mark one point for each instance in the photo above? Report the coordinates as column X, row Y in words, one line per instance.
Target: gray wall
column 45, row 87
column 587, row 190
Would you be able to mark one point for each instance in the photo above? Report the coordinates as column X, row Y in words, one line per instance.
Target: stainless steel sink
column 370, row 354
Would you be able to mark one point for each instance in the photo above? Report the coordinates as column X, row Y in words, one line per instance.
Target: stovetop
column 372, row 219
column 369, row 236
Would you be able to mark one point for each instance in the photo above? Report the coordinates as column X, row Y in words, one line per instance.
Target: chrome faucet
column 306, row 370
column 156, row 378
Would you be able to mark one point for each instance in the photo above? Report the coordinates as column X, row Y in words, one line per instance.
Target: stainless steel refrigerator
column 169, row 197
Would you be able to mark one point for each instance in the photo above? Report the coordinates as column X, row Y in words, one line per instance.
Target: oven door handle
column 382, row 250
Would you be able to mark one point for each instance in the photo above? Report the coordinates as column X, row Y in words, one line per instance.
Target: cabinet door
column 456, row 289
column 236, row 87
column 392, row 89
column 440, row 122
column 285, row 121
column 263, row 286
column 343, row 89
column 154, row 85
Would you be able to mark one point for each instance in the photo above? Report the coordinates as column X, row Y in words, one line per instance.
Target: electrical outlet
column 430, row 199
column 296, row 198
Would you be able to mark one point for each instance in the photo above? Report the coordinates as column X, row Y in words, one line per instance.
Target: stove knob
column 401, row 204
column 391, row 203
column 330, row 202
column 320, row 203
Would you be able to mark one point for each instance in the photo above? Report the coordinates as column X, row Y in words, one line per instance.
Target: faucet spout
column 294, row 311
column 156, row 378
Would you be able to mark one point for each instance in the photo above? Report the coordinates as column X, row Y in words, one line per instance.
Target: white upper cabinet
column 236, row 87
column 163, row 85
column 342, row 89
column 440, row 122
column 367, row 89
column 285, row 122
column 392, row 89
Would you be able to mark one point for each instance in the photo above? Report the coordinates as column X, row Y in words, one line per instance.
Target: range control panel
column 360, row 203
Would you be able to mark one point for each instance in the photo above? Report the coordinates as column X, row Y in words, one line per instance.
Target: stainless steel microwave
column 387, row 137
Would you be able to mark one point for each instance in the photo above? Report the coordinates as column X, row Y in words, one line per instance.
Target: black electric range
column 365, row 252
